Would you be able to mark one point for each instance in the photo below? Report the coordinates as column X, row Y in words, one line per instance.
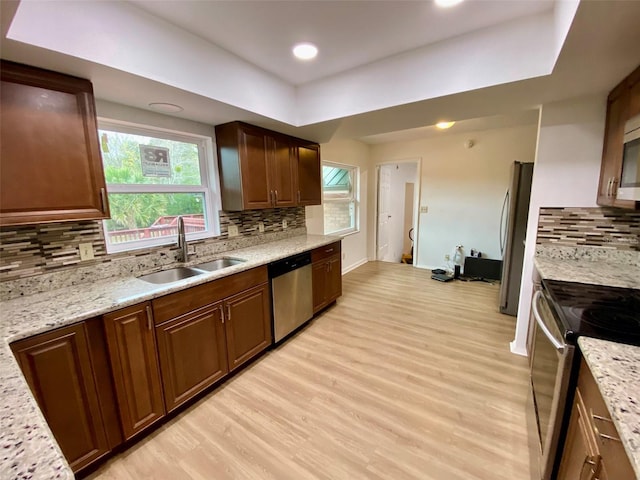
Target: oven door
column 551, row 363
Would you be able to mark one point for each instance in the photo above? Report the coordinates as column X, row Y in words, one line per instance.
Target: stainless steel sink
column 219, row 264
column 171, row 275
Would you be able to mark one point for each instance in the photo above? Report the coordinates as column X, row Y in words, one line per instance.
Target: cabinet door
column 58, row 369
column 579, row 458
column 247, row 325
column 49, row 155
column 284, row 173
column 192, row 353
column 309, row 175
column 334, row 279
column 256, row 190
column 132, row 350
column 612, row 149
column 319, row 281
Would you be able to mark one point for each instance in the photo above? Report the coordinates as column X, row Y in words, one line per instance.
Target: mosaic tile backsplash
column 38, row 249
column 596, row 227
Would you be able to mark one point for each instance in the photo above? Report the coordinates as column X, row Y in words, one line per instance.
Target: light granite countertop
column 29, row 450
column 616, row 369
column 597, row 272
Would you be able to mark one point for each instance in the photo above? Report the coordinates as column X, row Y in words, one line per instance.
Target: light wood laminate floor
column 405, row 378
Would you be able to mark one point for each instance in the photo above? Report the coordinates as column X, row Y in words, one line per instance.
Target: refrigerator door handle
column 503, row 223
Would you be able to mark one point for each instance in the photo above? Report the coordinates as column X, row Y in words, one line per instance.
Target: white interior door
column 384, row 216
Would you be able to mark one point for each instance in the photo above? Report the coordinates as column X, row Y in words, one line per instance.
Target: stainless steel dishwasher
column 292, row 294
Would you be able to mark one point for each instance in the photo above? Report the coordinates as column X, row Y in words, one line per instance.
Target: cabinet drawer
column 176, row 304
column 321, row 253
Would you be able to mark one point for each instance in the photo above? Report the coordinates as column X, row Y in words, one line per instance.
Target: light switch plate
column 424, row 209
column 233, row 231
column 86, row 251
column 261, row 227
column 284, row 224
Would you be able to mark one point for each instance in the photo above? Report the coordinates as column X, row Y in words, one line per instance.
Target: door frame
column 416, row 203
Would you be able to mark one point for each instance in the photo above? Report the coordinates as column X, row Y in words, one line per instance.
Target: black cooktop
column 599, row 311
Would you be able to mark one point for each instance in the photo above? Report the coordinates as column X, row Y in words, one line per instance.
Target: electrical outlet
column 424, row 209
column 233, row 231
column 261, row 227
column 447, row 257
column 86, row 251
column 284, row 224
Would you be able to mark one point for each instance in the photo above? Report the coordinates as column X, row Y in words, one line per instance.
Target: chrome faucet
column 183, row 256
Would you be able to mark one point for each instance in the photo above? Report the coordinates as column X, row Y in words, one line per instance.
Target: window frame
column 209, row 185
column 354, row 172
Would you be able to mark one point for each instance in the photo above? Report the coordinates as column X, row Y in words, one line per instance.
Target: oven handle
column 534, row 306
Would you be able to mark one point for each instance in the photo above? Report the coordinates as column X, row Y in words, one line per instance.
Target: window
column 153, row 176
column 340, row 198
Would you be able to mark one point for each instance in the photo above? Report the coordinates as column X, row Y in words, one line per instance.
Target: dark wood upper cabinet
column 309, row 174
column 50, row 163
column 622, row 104
column 247, row 325
column 58, row 369
column 193, row 353
column 284, row 172
column 132, row 350
column 263, row 169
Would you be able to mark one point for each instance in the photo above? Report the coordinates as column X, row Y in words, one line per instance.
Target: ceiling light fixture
column 444, row 125
column 165, row 107
column 305, row 51
column 447, row 3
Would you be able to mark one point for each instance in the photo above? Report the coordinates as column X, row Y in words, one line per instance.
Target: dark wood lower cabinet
column 247, row 325
column 136, row 375
column 58, row 369
column 193, row 353
column 327, row 282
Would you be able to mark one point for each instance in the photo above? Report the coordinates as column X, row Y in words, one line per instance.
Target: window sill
column 343, row 233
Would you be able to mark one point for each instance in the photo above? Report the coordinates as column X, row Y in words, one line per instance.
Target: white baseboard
column 518, row 349
column 354, row 266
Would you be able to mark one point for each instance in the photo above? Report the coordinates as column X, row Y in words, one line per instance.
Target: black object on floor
column 441, row 277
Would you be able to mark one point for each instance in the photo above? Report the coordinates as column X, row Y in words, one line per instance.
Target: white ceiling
column 519, row 62
column 349, row 34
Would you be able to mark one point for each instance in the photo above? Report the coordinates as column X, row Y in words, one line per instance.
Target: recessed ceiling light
column 444, row 125
column 166, row 107
column 305, row 51
column 447, row 3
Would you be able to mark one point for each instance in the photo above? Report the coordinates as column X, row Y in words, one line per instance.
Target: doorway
column 397, row 200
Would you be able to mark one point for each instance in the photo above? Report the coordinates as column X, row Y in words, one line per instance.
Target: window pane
column 336, row 181
column 338, row 216
column 132, row 159
column 142, row 216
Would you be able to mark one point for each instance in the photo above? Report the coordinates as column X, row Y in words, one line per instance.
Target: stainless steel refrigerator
column 513, row 230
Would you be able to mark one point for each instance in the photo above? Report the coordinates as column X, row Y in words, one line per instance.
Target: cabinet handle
column 609, row 188
column 275, row 197
column 597, row 431
column 614, row 182
column 328, row 250
column 298, row 196
column 103, row 199
column 228, row 313
column 271, row 197
column 149, row 317
column 221, row 313
column 589, row 461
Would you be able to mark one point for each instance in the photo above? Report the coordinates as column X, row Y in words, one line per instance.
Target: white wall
column 566, row 173
column 462, row 188
column 400, row 174
column 354, row 246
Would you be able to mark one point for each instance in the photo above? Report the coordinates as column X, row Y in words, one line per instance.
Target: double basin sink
column 180, row 273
